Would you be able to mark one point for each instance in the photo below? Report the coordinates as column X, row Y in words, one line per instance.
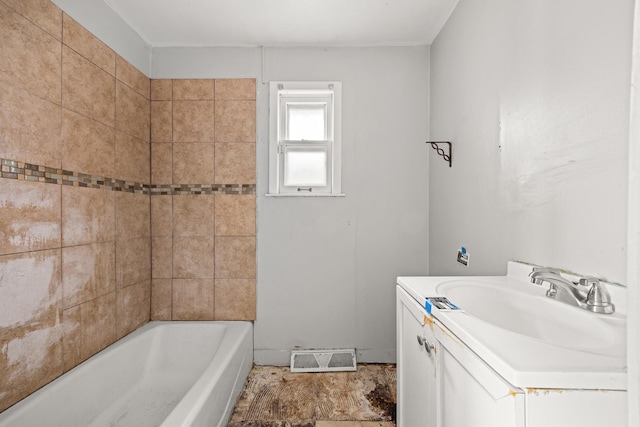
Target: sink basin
column 524, row 309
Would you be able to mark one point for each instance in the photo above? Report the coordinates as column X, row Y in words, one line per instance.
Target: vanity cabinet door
column 471, row 393
column 584, row 408
column 416, row 365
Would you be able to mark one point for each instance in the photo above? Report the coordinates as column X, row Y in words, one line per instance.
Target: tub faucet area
column 588, row 293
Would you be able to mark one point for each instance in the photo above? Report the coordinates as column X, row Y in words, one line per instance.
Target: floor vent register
column 323, row 360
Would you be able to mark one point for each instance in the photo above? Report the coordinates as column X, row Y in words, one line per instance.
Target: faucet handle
column 586, row 283
column 598, row 298
column 589, row 282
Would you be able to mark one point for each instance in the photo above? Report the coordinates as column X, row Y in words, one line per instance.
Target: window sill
column 305, row 195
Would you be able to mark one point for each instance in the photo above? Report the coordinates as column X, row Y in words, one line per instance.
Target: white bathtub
column 169, row 374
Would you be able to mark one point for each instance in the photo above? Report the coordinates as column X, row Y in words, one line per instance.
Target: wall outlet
column 463, row 256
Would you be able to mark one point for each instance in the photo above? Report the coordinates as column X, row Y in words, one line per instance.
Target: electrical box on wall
column 463, row 256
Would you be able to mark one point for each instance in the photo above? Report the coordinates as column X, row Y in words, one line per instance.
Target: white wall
column 206, row 63
column 534, row 95
column 633, row 258
column 327, row 266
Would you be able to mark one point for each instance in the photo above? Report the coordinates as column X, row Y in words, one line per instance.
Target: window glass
column 305, row 168
column 306, row 121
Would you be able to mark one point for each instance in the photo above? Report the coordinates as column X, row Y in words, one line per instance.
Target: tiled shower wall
column 75, row 199
column 203, row 207
column 74, row 260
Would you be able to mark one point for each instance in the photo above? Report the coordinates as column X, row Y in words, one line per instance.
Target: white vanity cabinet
column 452, row 383
column 416, row 368
column 445, row 384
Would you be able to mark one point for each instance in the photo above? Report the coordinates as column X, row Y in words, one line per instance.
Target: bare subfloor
column 276, row 397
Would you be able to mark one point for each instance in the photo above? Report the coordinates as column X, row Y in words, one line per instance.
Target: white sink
column 524, row 309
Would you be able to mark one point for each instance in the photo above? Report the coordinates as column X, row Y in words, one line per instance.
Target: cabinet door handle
column 421, row 340
column 428, row 346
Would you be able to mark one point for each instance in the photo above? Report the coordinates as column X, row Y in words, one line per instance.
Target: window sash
column 319, row 131
column 287, row 145
column 292, row 178
column 318, row 174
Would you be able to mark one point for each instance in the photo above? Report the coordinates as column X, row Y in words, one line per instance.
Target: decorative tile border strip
column 22, row 171
column 182, row 189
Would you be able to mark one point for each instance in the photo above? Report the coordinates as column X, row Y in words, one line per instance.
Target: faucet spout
column 563, row 289
column 560, row 288
column 588, row 293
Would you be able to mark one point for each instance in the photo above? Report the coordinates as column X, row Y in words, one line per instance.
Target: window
column 304, row 138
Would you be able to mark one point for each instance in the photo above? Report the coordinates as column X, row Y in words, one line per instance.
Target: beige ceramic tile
column 193, row 257
column 235, row 121
column 31, row 218
column 88, row 328
column 133, row 218
column 235, row 299
column 132, row 158
column 132, row 112
column 30, row 56
column 235, row 257
column 161, row 163
column 162, row 257
column 162, row 216
column 161, row 90
column 133, row 261
column 193, row 163
column 88, row 216
column 29, row 322
column 31, row 288
column 161, row 294
column 193, row 299
column 45, row 14
column 193, row 215
column 132, row 77
column 193, row 121
column 161, row 121
column 235, row 215
column 30, row 127
column 88, row 271
column 133, row 307
column 86, row 44
column 87, row 89
column 234, row 89
column 235, row 164
column 36, row 359
column 193, row 89
column 88, row 146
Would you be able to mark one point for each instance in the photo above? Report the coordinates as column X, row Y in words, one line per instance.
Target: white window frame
column 280, row 93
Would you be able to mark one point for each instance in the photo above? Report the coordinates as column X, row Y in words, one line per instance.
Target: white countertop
column 523, row 361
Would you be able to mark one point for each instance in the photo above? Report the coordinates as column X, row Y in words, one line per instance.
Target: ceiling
column 284, row 22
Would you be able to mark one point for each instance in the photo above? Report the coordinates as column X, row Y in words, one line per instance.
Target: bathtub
column 169, row 374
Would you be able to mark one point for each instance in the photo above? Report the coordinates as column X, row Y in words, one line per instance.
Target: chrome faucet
column 588, row 293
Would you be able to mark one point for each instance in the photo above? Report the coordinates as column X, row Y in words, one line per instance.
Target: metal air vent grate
column 323, row 360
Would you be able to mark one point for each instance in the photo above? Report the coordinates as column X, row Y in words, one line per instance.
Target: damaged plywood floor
column 276, row 397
